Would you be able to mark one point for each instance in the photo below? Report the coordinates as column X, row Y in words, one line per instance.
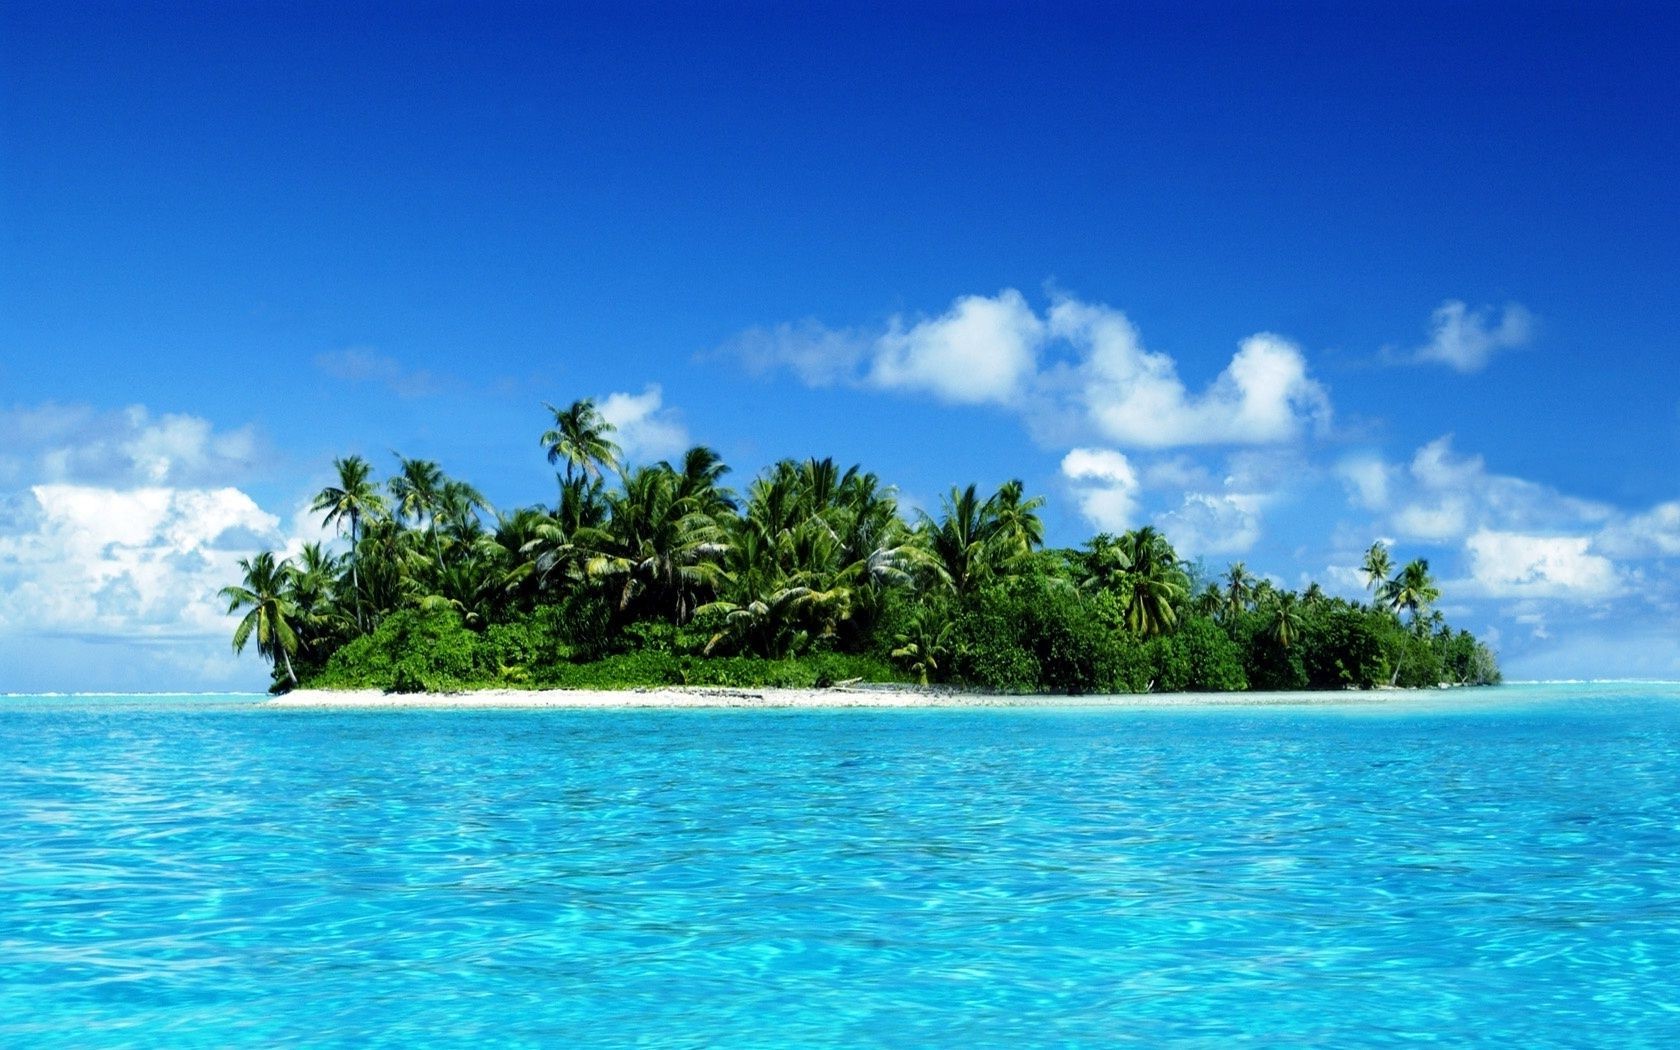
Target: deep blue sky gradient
column 535, row 202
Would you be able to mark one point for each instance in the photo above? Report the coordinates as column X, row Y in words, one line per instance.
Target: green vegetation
column 810, row 577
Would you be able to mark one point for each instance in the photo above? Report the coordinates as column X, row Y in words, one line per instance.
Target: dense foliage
column 811, row 576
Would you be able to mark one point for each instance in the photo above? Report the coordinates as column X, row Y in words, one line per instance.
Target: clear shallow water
column 1499, row 867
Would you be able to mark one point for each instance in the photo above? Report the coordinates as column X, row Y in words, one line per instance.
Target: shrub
column 410, row 651
column 1198, row 657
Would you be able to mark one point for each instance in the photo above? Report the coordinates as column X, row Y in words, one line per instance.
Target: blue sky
column 1281, row 279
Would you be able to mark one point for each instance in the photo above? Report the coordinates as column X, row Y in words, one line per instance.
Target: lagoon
column 1496, row 867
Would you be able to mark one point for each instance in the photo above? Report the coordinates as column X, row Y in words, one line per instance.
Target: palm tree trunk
column 355, row 579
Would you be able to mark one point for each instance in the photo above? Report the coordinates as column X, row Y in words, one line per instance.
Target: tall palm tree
column 1239, row 588
column 1017, row 518
column 354, row 497
column 1412, row 589
column 1376, row 566
column 459, row 504
column 582, row 438
column 264, row 594
column 418, row 492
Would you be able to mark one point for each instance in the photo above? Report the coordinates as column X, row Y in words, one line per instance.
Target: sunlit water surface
column 1497, row 867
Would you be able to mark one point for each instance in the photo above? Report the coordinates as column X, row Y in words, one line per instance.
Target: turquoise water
column 1498, row 867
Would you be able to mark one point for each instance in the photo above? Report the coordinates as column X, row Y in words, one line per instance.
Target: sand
column 838, row 697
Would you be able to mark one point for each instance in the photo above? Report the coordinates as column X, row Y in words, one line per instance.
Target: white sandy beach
column 838, row 697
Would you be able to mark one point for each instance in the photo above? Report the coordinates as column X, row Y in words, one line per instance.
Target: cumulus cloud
column 1104, row 485
column 1078, row 371
column 1136, row 398
column 1214, row 523
column 359, row 364
column 140, row 563
column 646, row 429
column 1514, row 565
column 1442, row 495
column 1466, row 339
column 981, row 350
column 76, row 443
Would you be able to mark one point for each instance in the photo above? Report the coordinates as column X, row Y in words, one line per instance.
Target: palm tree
column 309, row 587
column 418, row 492
column 1413, row 589
column 582, row 438
column 458, row 505
column 1239, row 588
column 1284, row 624
column 1157, row 582
column 1209, row 601
column 1376, row 566
column 700, row 472
column 264, row 594
column 353, row 498
column 1017, row 518
column 976, row 541
column 925, row 645
column 663, row 550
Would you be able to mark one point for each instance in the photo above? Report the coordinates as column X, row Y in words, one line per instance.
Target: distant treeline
column 666, row 576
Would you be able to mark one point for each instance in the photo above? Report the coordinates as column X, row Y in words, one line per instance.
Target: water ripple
column 203, row 872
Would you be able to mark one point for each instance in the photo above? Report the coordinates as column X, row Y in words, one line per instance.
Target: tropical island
column 813, row 577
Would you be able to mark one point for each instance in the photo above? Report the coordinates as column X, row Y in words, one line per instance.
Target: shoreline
column 834, row 697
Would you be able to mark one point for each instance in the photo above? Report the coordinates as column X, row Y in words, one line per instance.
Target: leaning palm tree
column 582, row 438
column 264, row 594
column 1412, row 589
column 354, row 497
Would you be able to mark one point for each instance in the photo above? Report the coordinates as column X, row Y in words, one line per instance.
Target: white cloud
column 1135, row 397
column 1514, row 565
column 1078, row 372
column 645, row 428
column 1443, row 496
column 984, row 349
column 1439, row 521
column 76, row 443
column 1656, row 533
column 1105, row 486
column 1466, row 339
column 1367, row 479
column 127, row 564
column 1213, row 523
